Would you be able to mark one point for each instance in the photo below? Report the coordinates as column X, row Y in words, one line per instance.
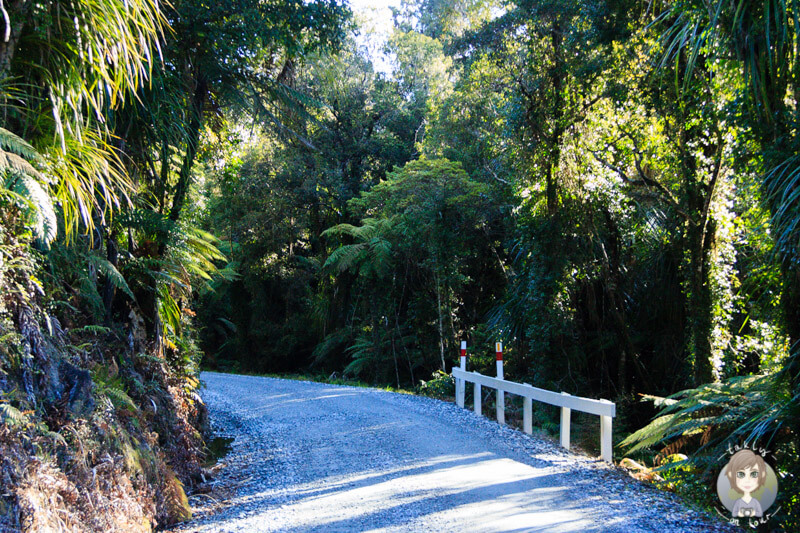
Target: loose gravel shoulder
column 316, row 457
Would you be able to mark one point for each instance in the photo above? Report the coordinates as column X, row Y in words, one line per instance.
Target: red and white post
column 501, row 396
column 461, row 385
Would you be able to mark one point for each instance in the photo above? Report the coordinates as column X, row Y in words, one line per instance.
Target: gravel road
column 315, row 457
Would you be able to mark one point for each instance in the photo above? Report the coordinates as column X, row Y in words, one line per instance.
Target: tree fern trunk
column 439, row 310
column 192, row 142
column 17, row 12
column 109, row 290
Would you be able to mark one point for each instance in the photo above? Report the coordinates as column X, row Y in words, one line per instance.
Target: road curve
column 316, row 457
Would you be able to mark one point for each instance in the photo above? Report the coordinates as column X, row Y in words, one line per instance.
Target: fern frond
column 168, row 309
column 119, row 398
column 112, row 274
column 11, row 162
column 228, row 324
column 749, row 407
column 94, row 329
column 344, row 257
column 57, row 437
column 147, row 221
column 10, row 142
column 330, row 343
column 11, row 416
column 39, row 211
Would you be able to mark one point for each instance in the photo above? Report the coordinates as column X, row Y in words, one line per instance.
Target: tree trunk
column 698, row 242
column 192, row 142
column 700, row 307
column 558, row 121
column 18, row 11
column 396, row 367
column 109, row 290
column 614, row 279
column 790, row 302
column 439, row 310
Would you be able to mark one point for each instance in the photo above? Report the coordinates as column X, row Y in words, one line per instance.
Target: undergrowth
column 99, row 431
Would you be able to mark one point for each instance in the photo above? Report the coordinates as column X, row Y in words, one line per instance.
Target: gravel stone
column 317, row 457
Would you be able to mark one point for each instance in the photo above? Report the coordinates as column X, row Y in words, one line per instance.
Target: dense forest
column 608, row 187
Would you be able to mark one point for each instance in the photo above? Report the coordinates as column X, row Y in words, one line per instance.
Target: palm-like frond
column 78, row 61
column 760, row 34
column 112, row 274
column 26, row 185
column 37, row 204
column 372, row 254
column 89, row 179
column 168, row 310
column 782, row 185
column 749, row 408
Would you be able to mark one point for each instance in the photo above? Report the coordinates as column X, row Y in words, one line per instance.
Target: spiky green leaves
column 23, row 185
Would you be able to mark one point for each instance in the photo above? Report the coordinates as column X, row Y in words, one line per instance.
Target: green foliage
column 441, row 386
column 24, row 184
column 13, row 417
column 37, row 206
column 107, row 269
column 113, row 388
column 746, row 409
column 704, row 422
column 371, row 256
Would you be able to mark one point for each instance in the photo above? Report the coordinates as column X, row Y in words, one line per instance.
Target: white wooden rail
column 605, row 409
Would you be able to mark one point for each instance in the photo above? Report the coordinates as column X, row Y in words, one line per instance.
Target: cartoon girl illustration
column 746, row 472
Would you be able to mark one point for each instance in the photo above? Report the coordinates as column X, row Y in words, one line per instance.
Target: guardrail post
column 565, row 421
column 605, row 409
column 501, row 396
column 605, row 437
column 461, row 385
column 527, row 414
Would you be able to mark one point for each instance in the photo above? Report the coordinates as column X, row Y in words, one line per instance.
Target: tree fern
column 330, row 344
column 364, row 353
column 38, row 206
column 112, row 274
column 751, row 408
column 371, row 254
column 22, row 182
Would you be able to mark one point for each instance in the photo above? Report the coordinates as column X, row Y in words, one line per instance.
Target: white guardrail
column 605, row 409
